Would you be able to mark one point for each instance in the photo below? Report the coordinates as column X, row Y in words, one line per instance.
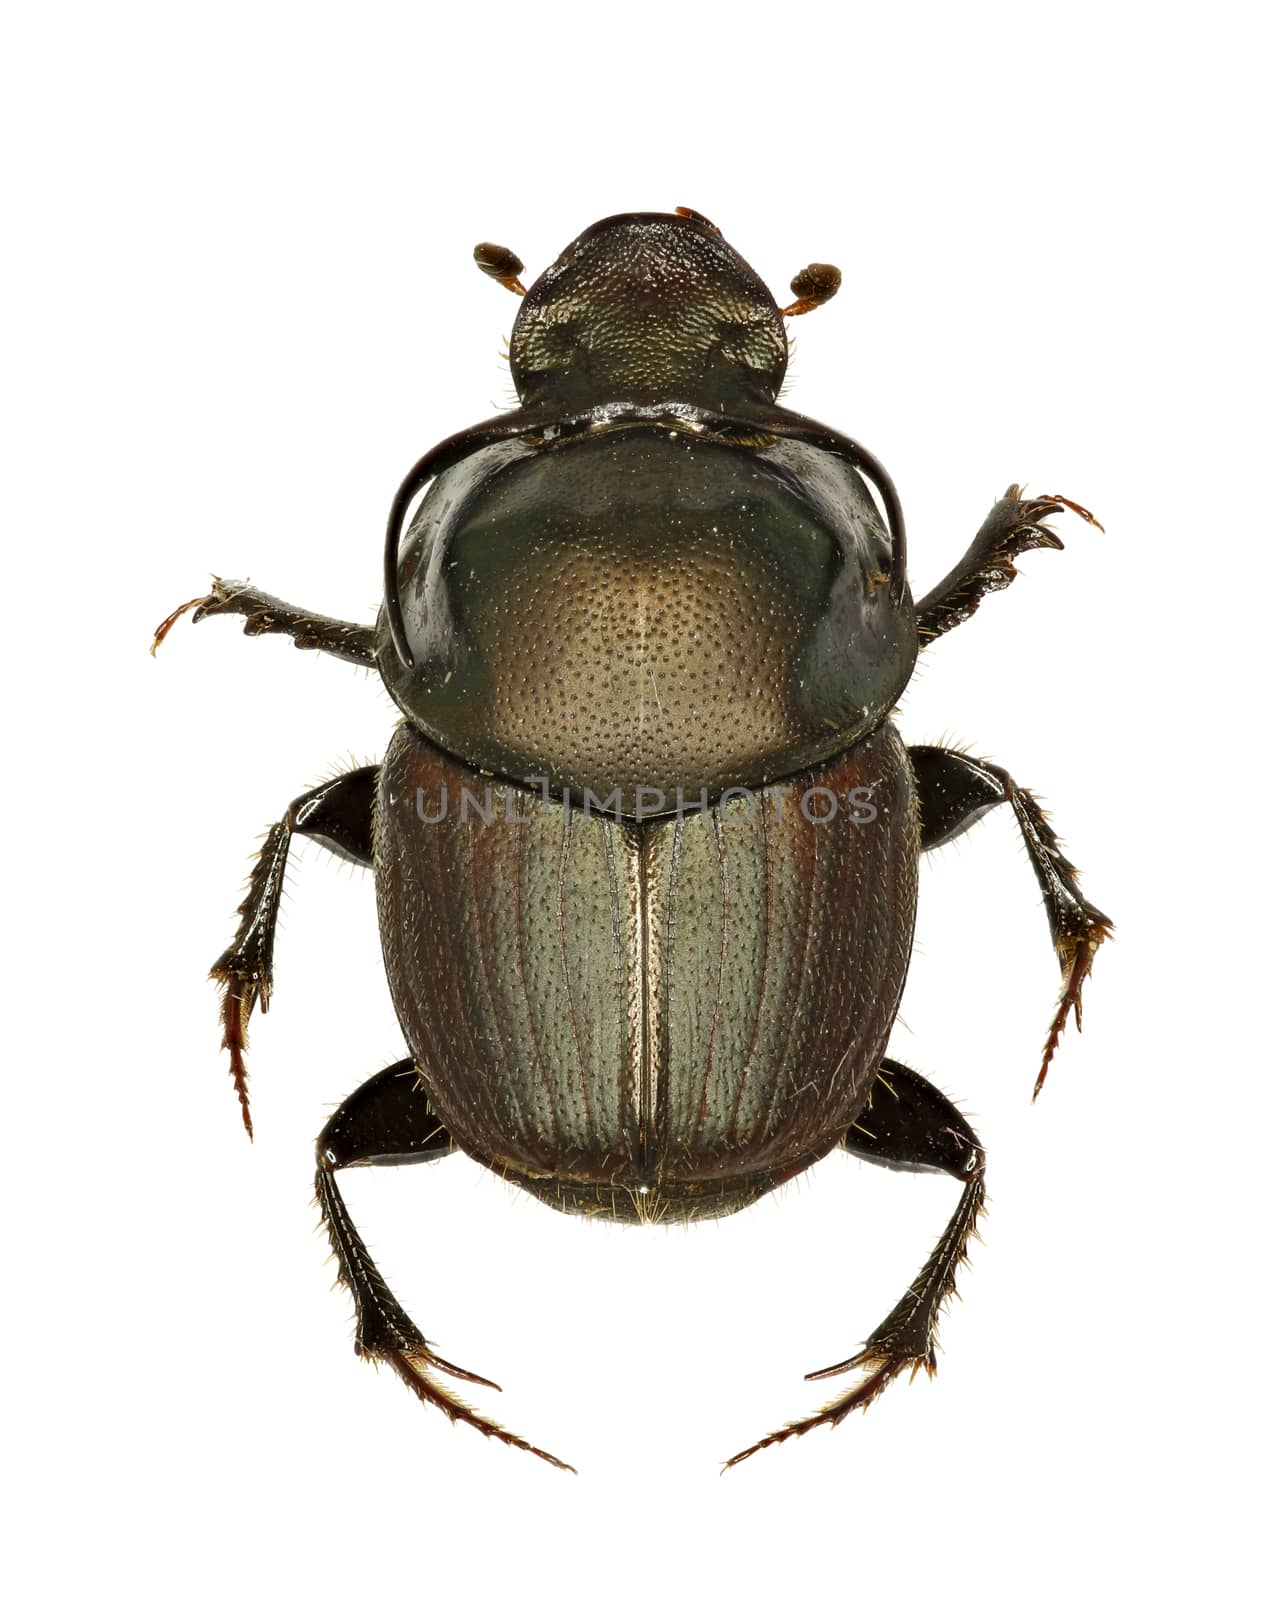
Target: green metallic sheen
column 657, row 1020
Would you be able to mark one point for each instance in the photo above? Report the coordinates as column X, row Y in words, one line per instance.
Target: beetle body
column 645, row 845
column 657, row 1020
column 664, row 990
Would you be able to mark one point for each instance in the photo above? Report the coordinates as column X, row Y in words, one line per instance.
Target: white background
column 240, row 303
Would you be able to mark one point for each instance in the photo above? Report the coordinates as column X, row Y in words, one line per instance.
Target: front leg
column 264, row 613
column 955, row 790
column 1013, row 527
column 339, row 815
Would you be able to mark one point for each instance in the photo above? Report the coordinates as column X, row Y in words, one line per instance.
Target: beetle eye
column 556, row 346
column 734, row 342
column 746, row 342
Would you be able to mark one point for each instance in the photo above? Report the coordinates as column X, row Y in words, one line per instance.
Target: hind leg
column 908, row 1125
column 387, row 1122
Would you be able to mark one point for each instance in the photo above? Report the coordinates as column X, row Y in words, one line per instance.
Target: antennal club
column 499, row 263
column 813, row 287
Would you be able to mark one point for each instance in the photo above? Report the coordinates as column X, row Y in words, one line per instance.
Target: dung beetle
column 645, row 843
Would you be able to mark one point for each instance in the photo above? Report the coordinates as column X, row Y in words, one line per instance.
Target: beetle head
column 648, row 307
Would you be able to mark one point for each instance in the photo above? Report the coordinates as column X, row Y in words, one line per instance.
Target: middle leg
column 338, row 814
column 955, row 790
